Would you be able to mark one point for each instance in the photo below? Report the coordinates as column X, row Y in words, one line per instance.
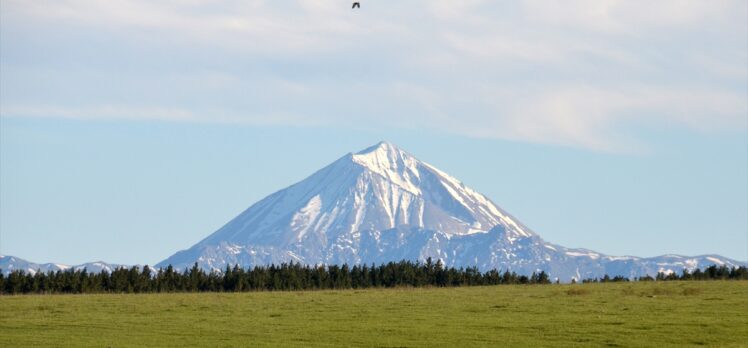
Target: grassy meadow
column 646, row 314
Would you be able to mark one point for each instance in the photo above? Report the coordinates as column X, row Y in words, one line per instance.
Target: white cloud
column 574, row 73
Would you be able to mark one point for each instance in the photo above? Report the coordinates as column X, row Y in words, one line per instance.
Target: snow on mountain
column 382, row 204
column 11, row 263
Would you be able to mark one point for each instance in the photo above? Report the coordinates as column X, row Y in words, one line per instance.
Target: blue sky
column 132, row 129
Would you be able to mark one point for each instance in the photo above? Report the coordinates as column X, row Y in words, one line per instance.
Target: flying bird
column 356, row 5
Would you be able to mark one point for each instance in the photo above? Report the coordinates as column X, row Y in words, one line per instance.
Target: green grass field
column 712, row 313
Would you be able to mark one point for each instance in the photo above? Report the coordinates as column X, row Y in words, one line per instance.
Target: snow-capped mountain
column 11, row 263
column 382, row 204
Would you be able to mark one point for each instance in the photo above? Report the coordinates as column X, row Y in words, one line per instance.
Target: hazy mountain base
column 643, row 314
column 487, row 251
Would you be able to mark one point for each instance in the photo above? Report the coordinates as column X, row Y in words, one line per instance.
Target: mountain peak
column 391, row 162
column 383, row 154
column 382, row 146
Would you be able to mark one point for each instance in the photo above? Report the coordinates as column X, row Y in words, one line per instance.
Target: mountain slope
column 382, row 204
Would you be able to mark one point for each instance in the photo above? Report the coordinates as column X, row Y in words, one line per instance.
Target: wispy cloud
column 102, row 112
column 575, row 73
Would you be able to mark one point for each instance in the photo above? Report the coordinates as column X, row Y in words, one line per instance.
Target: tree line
column 294, row 276
column 712, row 272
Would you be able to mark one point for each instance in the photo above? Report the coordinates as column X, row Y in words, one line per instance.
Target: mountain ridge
column 9, row 263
